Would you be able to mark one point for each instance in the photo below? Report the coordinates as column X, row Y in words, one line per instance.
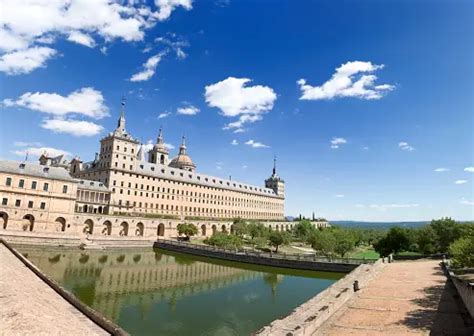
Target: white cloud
column 26, row 60
column 339, row 196
column 460, row 181
column 405, row 146
column 255, row 144
column 175, row 43
column 188, row 110
column 149, row 68
column 441, row 170
column 86, row 101
column 234, row 142
column 29, row 23
column 234, row 98
column 27, row 144
column 352, row 79
column 164, row 115
column 384, row 207
column 335, row 142
column 168, row 146
column 467, row 202
column 469, row 169
column 81, row 38
column 73, row 127
column 38, row 151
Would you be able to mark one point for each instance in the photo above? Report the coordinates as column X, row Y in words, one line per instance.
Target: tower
column 159, row 153
column 120, row 130
column 274, row 182
column 182, row 160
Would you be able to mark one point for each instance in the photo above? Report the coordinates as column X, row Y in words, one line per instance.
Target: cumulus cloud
column 163, row 115
column 336, row 142
column 352, row 79
column 441, row 170
column 86, row 101
column 38, row 151
column 29, row 23
column 234, row 98
column 188, row 110
column 81, row 38
column 26, row 60
column 469, row 169
column 175, row 43
column 73, row 127
column 405, row 146
column 168, row 146
column 255, row 144
column 234, row 142
column 149, row 68
column 460, row 181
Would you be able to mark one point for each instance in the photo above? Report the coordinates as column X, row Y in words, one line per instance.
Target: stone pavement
column 406, row 298
column 28, row 306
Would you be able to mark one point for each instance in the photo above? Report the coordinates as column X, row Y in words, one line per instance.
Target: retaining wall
column 277, row 260
column 464, row 287
column 309, row 316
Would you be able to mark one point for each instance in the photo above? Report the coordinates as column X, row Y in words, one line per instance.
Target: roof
column 35, row 169
column 176, row 174
column 181, row 160
column 92, row 185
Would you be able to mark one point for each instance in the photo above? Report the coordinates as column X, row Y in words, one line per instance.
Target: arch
column 123, row 229
column 84, row 208
column 28, row 222
column 232, row 229
column 107, row 229
column 223, row 228
column 100, row 209
column 3, row 220
column 277, row 227
column 88, row 227
column 140, row 229
column 214, row 229
column 203, row 230
column 60, row 224
column 287, row 227
column 161, row 230
column 162, row 159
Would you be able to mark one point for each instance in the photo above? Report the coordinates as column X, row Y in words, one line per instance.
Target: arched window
column 3, row 220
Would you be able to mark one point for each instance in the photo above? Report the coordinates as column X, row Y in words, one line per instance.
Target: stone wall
column 309, row 316
column 276, row 260
column 464, row 287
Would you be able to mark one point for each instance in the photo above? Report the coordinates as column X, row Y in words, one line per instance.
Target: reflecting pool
column 153, row 292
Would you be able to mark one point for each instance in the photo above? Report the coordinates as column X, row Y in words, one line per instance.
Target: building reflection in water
column 109, row 281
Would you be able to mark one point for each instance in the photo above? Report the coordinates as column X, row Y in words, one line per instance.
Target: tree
column 462, row 252
column 303, row 229
column 323, row 241
column 240, row 227
column 187, row 229
column 278, row 238
column 397, row 239
column 255, row 229
column 344, row 241
column 447, row 231
column 426, row 240
column 224, row 240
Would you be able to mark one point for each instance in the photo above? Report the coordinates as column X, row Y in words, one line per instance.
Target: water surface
column 153, row 292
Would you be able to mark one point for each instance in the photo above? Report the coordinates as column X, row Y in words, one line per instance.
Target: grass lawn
column 409, row 253
column 367, row 253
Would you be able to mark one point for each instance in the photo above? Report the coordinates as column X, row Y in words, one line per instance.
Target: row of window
column 42, row 205
column 33, row 186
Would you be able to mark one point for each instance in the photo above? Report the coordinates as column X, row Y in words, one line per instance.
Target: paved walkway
column 406, row 298
column 28, row 306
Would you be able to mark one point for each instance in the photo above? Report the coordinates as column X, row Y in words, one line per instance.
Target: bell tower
column 159, row 153
column 274, row 182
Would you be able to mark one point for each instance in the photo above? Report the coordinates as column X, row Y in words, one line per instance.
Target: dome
column 182, row 160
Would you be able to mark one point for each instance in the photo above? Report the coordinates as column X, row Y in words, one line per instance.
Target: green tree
column 344, row 241
column 426, row 240
column 187, row 229
column 278, row 238
column 224, row 240
column 240, row 228
column 397, row 239
column 323, row 241
column 303, row 229
column 255, row 229
column 447, row 231
column 462, row 252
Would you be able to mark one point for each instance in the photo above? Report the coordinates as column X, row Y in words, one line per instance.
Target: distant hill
column 378, row 225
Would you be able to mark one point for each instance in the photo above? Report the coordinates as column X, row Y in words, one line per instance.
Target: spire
column 159, row 140
column 182, row 148
column 121, row 122
column 274, row 165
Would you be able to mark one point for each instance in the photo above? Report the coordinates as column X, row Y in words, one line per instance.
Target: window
column 17, row 203
column 42, row 205
column 30, row 204
column 4, row 201
column 33, row 185
column 21, row 183
column 8, row 182
column 64, row 189
column 46, row 187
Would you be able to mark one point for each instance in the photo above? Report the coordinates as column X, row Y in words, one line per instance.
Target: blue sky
column 349, row 146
